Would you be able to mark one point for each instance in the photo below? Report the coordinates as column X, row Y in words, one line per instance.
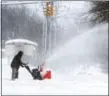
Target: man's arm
column 23, row 64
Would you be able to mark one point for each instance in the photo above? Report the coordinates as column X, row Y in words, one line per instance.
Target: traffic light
column 50, row 11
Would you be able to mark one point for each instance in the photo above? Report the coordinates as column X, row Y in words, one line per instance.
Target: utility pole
column 49, row 13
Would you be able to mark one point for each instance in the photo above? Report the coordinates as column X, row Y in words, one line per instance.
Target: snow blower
column 38, row 73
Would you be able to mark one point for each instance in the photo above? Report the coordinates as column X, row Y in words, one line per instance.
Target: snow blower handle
column 38, row 67
column 24, row 64
column 29, row 70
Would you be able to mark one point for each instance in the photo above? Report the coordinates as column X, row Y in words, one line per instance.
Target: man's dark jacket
column 16, row 62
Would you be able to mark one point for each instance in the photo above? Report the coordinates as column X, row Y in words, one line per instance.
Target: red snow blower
column 39, row 73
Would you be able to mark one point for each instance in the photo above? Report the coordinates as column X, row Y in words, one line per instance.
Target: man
column 15, row 65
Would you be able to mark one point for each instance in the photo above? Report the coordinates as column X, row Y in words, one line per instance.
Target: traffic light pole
column 48, row 9
column 48, row 14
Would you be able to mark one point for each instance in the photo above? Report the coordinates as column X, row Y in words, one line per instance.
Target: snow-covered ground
column 74, row 71
column 80, row 84
column 84, row 79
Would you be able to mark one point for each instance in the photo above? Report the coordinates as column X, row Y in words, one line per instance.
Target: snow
column 81, row 50
column 21, row 41
column 29, row 48
column 68, row 78
column 79, row 85
column 3, row 50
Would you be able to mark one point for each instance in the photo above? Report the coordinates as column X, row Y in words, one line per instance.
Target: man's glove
column 23, row 64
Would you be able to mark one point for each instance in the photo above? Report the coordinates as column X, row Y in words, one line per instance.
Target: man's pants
column 14, row 73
